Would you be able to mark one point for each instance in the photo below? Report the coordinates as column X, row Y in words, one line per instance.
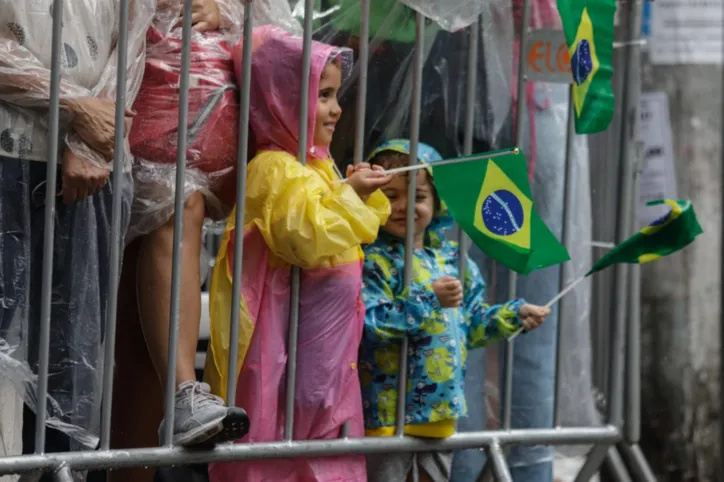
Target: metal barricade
column 625, row 323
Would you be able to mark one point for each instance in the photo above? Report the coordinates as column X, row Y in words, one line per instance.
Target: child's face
column 396, row 192
column 328, row 109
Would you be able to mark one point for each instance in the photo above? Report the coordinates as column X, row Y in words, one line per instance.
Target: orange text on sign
column 541, row 58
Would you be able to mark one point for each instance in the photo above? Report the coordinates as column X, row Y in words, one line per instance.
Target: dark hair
column 393, row 159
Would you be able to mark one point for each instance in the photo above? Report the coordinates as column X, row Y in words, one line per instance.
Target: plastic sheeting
column 80, row 267
column 389, row 79
column 213, row 122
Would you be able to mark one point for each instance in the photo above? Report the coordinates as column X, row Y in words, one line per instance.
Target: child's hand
column 365, row 179
column 449, row 291
column 532, row 316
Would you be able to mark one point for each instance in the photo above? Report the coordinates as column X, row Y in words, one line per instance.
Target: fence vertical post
column 48, row 229
column 568, row 207
column 178, row 224
column 471, row 84
column 294, row 303
column 519, row 141
column 119, row 158
column 417, row 64
column 242, row 158
column 363, row 61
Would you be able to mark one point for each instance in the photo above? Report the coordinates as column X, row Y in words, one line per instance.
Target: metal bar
column 63, row 474
column 363, row 60
column 472, row 80
column 115, row 255
column 241, row 160
column 302, row 155
column 593, row 463
column 48, row 229
column 166, row 456
column 614, row 464
column 361, row 110
column 417, row 63
column 498, row 464
column 625, row 213
column 568, row 208
column 636, row 461
column 178, row 224
column 509, row 349
column 632, row 429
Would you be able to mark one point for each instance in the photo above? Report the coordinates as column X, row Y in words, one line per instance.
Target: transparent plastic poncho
column 213, row 120
column 78, row 305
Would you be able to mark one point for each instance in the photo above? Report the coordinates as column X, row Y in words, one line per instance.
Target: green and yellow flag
column 671, row 232
column 588, row 26
column 491, row 201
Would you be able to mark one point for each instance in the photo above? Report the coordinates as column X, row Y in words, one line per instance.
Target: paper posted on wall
column 687, row 31
column 657, row 176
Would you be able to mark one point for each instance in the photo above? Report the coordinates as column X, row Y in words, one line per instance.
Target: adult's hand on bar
column 205, row 16
column 449, row 291
column 94, row 120
column 80, row 178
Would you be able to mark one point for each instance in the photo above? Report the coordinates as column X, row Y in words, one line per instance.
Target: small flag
column 671, row 232
column 491, row 201
column 588, row 26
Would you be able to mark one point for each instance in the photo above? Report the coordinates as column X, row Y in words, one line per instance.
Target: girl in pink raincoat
column 296, row 216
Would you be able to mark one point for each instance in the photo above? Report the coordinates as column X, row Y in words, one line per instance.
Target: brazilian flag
column 588, row 27
column 491, row 201
column 671, row 232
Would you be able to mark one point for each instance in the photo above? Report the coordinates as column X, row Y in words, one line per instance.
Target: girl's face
column 328, row 109
column 396, row 192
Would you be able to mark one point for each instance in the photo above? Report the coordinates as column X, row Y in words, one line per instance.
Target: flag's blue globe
column 581, row 62
column 503, row 213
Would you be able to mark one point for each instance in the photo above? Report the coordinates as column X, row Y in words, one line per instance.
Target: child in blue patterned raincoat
column 441, row 320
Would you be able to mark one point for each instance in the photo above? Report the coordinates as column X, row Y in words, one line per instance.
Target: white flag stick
column 552, row 302
column 476, row 157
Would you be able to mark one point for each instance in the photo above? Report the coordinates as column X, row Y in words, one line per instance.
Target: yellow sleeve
column 304, row 219
column 379, row 205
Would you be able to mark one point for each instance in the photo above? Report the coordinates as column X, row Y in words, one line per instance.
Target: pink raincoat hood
column 276, row 87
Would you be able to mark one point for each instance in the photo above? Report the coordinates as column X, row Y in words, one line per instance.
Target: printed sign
column 657, row 177
column 548, row 59
column 687, row 31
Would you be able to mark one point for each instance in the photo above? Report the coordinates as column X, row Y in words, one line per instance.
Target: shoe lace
column 201, row 397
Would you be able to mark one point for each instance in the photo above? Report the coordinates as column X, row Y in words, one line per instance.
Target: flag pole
column 555, row 300
column 477, row 157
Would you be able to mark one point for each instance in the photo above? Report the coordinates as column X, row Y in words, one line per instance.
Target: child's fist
column 449, row 291
column 532, row 316
column 365, row 180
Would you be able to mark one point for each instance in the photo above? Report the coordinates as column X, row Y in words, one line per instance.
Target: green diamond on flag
column 490, row 199
column 588, row 27
column 671, row 232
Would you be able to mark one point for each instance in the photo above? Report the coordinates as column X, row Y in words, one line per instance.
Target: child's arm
column 388, row 315
column 300, row 218
column 487, row 323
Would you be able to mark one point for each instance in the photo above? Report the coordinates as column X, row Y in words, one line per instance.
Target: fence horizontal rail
column 167, row 456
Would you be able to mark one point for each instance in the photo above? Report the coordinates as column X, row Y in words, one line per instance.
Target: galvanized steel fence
column 622, row 424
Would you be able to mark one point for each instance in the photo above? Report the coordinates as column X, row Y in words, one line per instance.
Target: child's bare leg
column 200, row 417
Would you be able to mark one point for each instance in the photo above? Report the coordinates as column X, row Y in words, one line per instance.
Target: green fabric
column 588, row 26
column 664, row 236
column 491, row 201
column 389, row 20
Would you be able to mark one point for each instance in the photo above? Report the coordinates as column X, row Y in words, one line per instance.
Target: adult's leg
column 135, row 417
column 153, row 284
